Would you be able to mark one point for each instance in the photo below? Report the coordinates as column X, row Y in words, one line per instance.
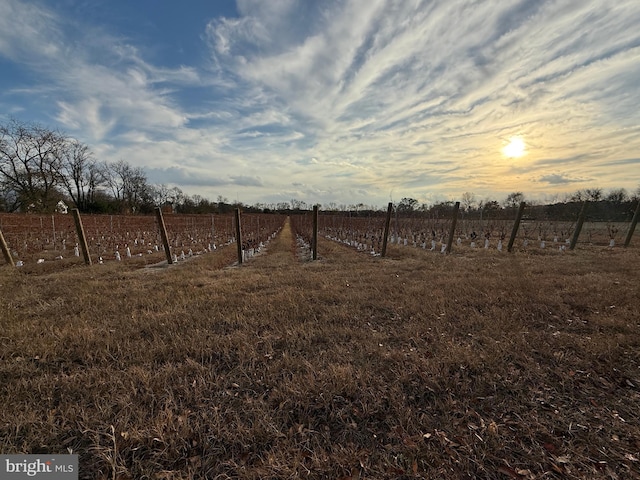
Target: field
column 478, row 364
column 50, row 242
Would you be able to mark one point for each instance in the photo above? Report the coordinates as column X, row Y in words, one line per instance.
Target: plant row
column 40, row 238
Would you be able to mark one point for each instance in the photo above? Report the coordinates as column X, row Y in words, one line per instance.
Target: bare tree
column 128, row 185
column 80, row 174
column 113, row 179
column 297, row 204
column 30, row 164
column 160, row 194
column 407, row 205
column 594, row 194
column 617, row 196
column 514, row 199
column 468, row 201
column 591, row 194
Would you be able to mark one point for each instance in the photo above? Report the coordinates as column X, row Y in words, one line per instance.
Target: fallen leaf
column 508, row 471
column 408, row 441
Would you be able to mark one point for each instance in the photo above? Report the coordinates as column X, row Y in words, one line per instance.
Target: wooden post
column 53, row 226
column 238, row 236
column 163, row 235
column 576, row 233
column 632, row 227
column 5, row 251
column 516, row 225
column 82, row 239
column 314, row 238
column 387, row 224
column 452, row 230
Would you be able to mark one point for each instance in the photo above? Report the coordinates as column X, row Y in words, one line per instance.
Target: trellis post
column 387, row 224
column 516, row 225
column 576, row 233
column 5, row 250
column 314, row 237
column 82, row 239
column 238, row 235
column 163, row 235
column 632, row 227
column 452, row 230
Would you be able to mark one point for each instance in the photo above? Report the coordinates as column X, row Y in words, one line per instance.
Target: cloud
column 559, row 179
column 28, row 33
column 246, row 181
column 342, row 98
column 623, row 161
column 121, row 89
column 177, row 176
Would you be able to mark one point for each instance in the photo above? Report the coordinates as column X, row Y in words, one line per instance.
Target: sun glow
column 515, row 148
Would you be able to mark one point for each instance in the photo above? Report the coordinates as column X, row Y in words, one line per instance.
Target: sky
column 337, row 101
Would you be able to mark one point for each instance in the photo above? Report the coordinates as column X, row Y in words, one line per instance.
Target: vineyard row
column 43, row 238
column 368, row 233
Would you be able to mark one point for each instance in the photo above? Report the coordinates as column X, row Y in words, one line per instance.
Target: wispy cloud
column 200, row 177
column 559, row 179
column 453, row 78
column 355, row 97
column 99, row 81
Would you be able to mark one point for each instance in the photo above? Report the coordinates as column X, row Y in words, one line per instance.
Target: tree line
column 40, row 167
column 616, row 205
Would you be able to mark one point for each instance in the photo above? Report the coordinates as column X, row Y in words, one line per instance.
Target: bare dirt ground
column 412, row 366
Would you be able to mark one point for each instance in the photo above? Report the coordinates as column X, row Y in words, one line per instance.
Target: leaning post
column 81, row 236
column 163, row 235
column 387, row 224
column 632, row 227
column 576, row 233
column 314, row 237
column 516, row 226
column 238, row 236
column 452, row 230
column 5, row 251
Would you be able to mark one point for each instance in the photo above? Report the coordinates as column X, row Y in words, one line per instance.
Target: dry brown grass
column 482, row 365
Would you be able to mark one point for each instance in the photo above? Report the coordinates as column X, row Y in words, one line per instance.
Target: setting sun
column 515, row 148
